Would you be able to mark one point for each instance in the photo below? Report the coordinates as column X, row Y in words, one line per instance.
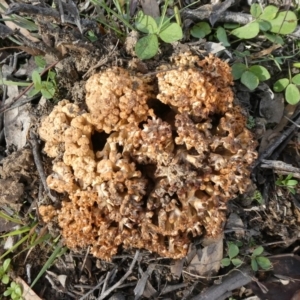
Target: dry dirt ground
column 266, row 215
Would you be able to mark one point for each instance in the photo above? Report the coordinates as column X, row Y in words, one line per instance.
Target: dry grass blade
column 57, row 252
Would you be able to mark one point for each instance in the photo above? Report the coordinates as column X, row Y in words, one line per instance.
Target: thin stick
column 104, row 295
column 38, row 162
column 105, row 282
column 231, row 282
column 268, row 152
column 84, row 260
column 92, row 290
column 278, row 165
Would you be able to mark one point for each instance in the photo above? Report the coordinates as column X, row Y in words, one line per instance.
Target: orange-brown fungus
column 167, row 165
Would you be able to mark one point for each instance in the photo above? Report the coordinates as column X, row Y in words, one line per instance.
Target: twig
column 123, row 278
column 84, row 260
column 37, row 160
column 268, row 152
column 280, row 167
column 233, row 281
column 140, row 287
column 187, row 292
column 92, row 290
column 172, row 288
column 105, row 282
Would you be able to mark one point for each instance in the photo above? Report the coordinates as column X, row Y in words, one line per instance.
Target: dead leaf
column 288, row 112
column 28, row 293
column 271, row 109
column 176, row 267
column 17, row 121
column 268, row 137
column 14, row 26
column 11, row 193
column 214, row 48
column 6, row 226
column 150, row 8
column 207, row 261
column 218, row 10
column 236, row 224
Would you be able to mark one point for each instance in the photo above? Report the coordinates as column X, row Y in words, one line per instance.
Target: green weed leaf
column 292, row 182
column 51, row 75
column 276, row 39
column 231, row 25
column 250, row 80
column 241, row 54
column 255, row 10
column 292, row 94
column 258, row 251
column 285, row 23
column 7, row 292
column 165, row 21
column 147, row 46
column 171, row 33
column 269, row 13
column 280, row 85
column 222, row 36
column 236, row 262
column 40, row 61
column 291, row 190
column 296, row 65
column 264, row 25
column 263, row 262
column 146, row 24
column 17, row 83
column 296, row 79
column 48, row 89
column 225, row 262
column 5, row 279
column 254, row 265
column 233, row 250
column 6, row 264
column 36, row 78
column 261, row 72
column 33, row 92
column 200, row 30
column 237, row 70
column 248, row 31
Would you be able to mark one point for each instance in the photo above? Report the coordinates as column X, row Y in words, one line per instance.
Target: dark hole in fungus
column 99, row 140
column 141, row 124
column 161, row 110
column 155, row 218
column 215, row 122
column 114, row 224
column 120, row 148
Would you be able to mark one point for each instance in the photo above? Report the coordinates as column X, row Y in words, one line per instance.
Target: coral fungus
column 161, row 175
